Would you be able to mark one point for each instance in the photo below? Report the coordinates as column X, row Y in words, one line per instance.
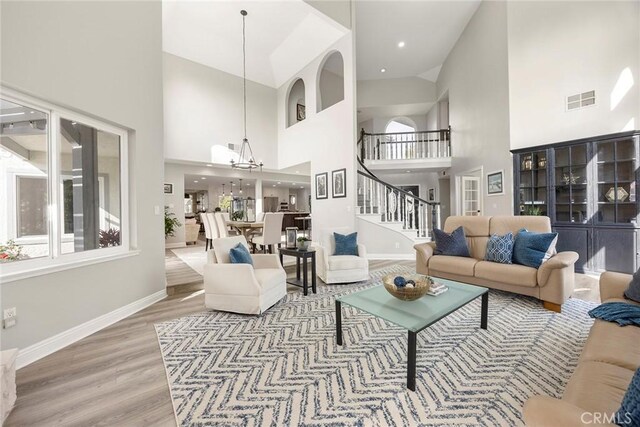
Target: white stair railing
column 396, row 206
column 434, row 144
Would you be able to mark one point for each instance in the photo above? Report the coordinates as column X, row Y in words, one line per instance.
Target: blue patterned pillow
column 239, row 254
column 629, row 412
column 633, row 291
column 500, row 248
column 454, row 244
column 532, row 249
column 346, row 244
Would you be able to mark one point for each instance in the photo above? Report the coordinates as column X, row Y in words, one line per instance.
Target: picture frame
column 322, row 186
column 495, row 183
column 301, row 112
column 431, row 194
column 339, row 183
column 168, row 188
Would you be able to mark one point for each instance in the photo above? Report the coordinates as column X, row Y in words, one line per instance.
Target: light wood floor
column 116, row 377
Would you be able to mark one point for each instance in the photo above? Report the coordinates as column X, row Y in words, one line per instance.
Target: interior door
column 471, row 203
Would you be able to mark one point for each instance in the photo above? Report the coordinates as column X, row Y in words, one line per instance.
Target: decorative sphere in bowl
column 413, row 286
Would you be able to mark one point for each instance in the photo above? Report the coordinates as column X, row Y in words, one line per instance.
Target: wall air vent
column 581, row 100
column 231, row 146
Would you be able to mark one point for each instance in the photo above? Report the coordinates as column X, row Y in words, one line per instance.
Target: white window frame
column 56, row 261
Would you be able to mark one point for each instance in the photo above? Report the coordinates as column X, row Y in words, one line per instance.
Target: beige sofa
column 553, row 282
column 608, row 361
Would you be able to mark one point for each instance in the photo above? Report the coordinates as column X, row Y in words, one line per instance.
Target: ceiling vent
column 581, row 100
column 231, row 146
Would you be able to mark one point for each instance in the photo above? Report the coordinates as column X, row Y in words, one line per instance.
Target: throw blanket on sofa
column 622, row 313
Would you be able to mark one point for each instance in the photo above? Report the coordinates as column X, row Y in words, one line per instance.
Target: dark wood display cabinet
column 589, row 189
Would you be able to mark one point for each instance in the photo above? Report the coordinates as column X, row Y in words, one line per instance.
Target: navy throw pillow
column 346, row 244
column 629, row 412
column 454, row 244
column 633, row 291
column 532, row 249
column 500, row 248
column 239, row 254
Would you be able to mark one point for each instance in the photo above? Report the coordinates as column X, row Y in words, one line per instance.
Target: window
column 63, row 177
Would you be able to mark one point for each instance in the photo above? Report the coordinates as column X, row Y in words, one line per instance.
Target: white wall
column 557, row 49
column 331, row 88
column 425, row 180
column 409, row 90
column 476, row 76
column 203, row 109
column 103, row 59
column 326, row 139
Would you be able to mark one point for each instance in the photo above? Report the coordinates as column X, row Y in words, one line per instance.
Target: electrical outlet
column 9, row 318
column 397, row 245
column 156, row 210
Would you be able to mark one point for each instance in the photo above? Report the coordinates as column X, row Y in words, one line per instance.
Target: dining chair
column 222, row 224
column 207, row 230
column 271, row 232
column 215, row 233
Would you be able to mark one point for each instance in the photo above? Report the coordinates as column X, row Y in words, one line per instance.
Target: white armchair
column 340, row 268
column 242, row 288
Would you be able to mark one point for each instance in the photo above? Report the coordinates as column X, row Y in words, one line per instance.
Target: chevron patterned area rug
column 284, row 367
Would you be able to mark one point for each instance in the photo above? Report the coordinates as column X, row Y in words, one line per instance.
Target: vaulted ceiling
column 429, row 30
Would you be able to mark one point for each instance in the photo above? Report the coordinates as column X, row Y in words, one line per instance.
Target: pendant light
column 245, row 160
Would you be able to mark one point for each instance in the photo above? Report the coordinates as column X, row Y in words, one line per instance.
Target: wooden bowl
column 423, row 283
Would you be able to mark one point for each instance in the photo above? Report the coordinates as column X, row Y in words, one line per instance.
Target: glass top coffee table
column 413, row 316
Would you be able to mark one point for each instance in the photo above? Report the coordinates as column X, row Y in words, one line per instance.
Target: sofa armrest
column 545, row 411
column 266, row 261
column 613, row 285
column 230, row 279
column 424, row 251
column 558, row 261
column 362, row 251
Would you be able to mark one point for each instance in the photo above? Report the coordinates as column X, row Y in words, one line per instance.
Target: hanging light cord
column 244, row 72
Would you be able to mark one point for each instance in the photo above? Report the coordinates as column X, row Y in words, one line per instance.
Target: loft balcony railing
column 393, row 204
column 431, row 144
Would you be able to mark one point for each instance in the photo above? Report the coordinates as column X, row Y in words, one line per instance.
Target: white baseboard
column 175, row 245
column 52, row 344
column 402, row 257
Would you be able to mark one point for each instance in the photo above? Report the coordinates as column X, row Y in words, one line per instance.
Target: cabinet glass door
column 571, row 184
column 533, row 183
column 616, row 177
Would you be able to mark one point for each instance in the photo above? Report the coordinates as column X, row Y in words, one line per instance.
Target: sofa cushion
column 511, row 274
column 454, row 244
column 500, row 248
column 239, row 254
column 532, row 249
column 613, row 344
column 270, row 278
column 346, row 244
column 502, row 224
column 633, row 291
column 347, row 262
column 453, row 264
column 598, row 387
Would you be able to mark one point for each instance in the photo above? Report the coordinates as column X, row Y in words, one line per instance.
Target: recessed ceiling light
column 209, row 164
column 408, row 171
column 195, row 180
column 233, row 184
column 383, row 70
column 400, row 44
column 248, row 185
column 301, row 186
column 31, row 112
column 279, row 182
column 73, row 123
column 297, row 171
column 274, row 185
column 202, row 177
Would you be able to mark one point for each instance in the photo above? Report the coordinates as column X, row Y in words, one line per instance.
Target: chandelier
column 245, row 160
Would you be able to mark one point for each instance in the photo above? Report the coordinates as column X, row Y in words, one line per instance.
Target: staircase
column 388, row 206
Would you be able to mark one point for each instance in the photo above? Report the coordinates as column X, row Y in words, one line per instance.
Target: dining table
column 246, row 228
